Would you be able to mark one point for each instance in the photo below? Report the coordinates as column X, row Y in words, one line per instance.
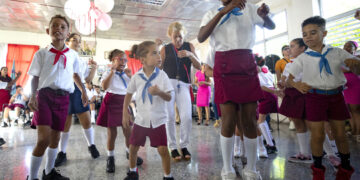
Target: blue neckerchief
column 235, row 11
column 148, row 84
column 323, row 61
column 19, row 97
column 120, row 75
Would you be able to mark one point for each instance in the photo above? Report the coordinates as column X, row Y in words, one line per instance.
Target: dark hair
column 114, row 53
column 270, row 61
column 141, row 50
column 353, row 43
column 284, row 47
column 260, row 61
column 300, row 42
column 71, row 36
column 58, row 16
column 321, row 22
column 18, row 86
column 3, row 68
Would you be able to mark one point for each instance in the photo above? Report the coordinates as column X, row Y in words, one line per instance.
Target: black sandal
column 185, row 153
column 175, row 155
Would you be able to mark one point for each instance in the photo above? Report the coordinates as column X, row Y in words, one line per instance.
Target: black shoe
column 16, row 122
column 110, row 164
column 2, row 141
column 27, row 178
column 185, row 153
column 54, row 175
column 132, row 175
column 175, row 155
column 271, row 149
column 139, row 160
column 168, row 178
column 60, row 159
column 93, row 151
column 27, row 124
column 4, row 124
column 177, row 123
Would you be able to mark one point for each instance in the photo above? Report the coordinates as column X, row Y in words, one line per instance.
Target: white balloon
column 85, row 24
column 104, row 5
column 75, row 8
column 104, row 22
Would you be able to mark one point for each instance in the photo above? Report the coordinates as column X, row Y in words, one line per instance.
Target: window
column 270, row 41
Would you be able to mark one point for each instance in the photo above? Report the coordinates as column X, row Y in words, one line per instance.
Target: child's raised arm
column 126, row 115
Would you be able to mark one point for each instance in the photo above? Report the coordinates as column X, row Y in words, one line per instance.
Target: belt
column 327, row 92
column 58, row 92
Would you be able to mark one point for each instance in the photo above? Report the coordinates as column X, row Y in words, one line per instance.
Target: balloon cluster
column 89, row 15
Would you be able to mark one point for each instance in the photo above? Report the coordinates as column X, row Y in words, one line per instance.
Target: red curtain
column 133, row 64
column 23, row 55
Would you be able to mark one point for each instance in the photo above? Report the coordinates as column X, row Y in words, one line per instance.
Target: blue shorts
column 76, row 105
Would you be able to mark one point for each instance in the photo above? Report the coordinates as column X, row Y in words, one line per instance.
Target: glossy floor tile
column 206, row 162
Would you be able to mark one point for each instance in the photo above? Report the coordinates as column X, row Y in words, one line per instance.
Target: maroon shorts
column 324, row 107
column 157, row 136
column 13, row 106
column 268, row 104
column 52, row 109
column 236, row 77
column 293, row 104
column 111, row 110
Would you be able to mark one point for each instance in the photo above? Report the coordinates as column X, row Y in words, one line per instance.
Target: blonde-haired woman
column 178, row 56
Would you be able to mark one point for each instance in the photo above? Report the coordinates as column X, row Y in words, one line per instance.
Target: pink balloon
column 104, row 22
column 85, row 24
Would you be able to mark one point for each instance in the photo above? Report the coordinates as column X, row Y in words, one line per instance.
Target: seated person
column 17, row 102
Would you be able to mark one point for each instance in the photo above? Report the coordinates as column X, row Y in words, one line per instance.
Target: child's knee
column 163, row 151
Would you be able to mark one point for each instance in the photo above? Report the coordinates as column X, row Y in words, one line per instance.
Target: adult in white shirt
column 231, row 29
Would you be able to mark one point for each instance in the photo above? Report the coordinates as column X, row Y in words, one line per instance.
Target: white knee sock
column 35, row 163
column 6, row 120
column 50, row 159
column 333, row 145
column 237, row 142
column 266, row 133
column 242, row 148
column 304, row 143
column 64, row 138
column 93, row 116
column 110, row 153
column 327, row 146
column 89, row 135
column 250, row 153
column 27, row 116
column 227, row 152
column 260, row 143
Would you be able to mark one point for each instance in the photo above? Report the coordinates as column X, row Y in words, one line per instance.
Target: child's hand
column 234, row 4
column 92, row 63
column 263, row 10
column 154, row 90
column 18, row 74
column 353, row 64
column 33, row 104
column 184, row 53
column 279, row 93
column 126, row 119
column 84, row 99
column 115, row 65
column 357, row 15
column 302, row 87
column 281, row 84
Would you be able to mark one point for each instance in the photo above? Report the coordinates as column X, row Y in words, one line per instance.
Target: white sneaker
column 250, row 175
column 292, row 126
column 228, row 175
column 263, row 153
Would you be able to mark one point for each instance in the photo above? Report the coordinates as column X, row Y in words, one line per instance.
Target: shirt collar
column 142, row 71
column 326, row 47
column 51, row 46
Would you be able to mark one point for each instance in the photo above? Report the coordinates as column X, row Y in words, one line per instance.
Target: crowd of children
column 318, row 83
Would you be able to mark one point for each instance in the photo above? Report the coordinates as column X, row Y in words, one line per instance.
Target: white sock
column 127, row 149
column 242, row 148
column 110, row 153
column 27, row 116
column 333, row 145
column 35, row 163
column 251, row 153
column 168, row 175
column 64, row 138
column 265, row 131
column 327, row 146
column 133, row 169
column 89, row 135
column 92, row 116
column 260, row 143
column 6, row 120
column 227, row 152
column 237, row 142
column 304, row 143
column 50, row 160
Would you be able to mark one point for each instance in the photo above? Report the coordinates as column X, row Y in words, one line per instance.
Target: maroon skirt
column 4, row 98
column 236, row 77
column 293, row 104
column 111, row 110
column 268, row 104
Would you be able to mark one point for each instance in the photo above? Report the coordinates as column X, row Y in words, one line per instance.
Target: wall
column 42, row 39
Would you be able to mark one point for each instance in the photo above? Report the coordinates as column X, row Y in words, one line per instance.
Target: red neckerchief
column 58, row 54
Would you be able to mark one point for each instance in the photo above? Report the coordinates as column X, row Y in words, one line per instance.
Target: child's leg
column 88, row 130
column 302, row 136
column 112, row 133
column 199, row 111
column 239, row 149
column 317, row 140
column 133, row 157
column 248, row 121
column 338, row 130
column 165, row 158
column 52, row 151
column 229, row 118
column 264, row 127
column 17, row 112
column 207, row 112
column 93, row 113
column 6, row 115
column 43, row 140
column 65, row 134
column 127, row 134
column 330, row 137
column 355, row 113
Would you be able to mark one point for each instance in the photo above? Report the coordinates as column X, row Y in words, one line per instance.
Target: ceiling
column 131, row 20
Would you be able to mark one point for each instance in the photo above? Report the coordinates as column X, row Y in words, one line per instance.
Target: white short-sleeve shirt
column 154, row 114
column 55, row 76
column 286, row 73
column 19, row 100
column 3, row 84
column 116, row 84
column 84, row 70
column 91, row 93
column 266, row 79
column 238, row 32
column 309, row 67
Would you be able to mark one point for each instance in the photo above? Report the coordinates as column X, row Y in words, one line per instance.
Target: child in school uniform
column 231, row 29
column 17, row 102
column 114, row 82
column 54, row 70
column 322, row 83
column 153, row 90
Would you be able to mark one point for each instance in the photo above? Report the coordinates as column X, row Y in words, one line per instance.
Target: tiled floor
column 205, row 164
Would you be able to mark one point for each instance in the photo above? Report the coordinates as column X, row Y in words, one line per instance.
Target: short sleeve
column 207, row 18
column 296, row 67
column 167, row 86
column 36, row 65
column 104, row 76
column 343, row 55
column 255, row 17
column 278, row 65
column 76, row 64
column 131, row 89
column 262, row 79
